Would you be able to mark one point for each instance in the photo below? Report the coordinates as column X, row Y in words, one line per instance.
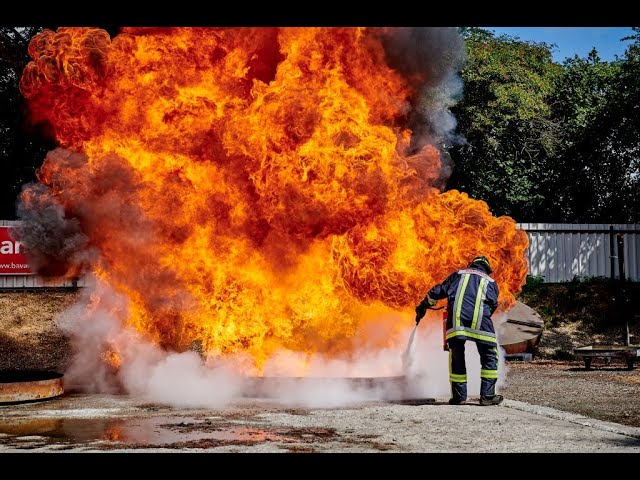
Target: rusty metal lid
column 20, row 386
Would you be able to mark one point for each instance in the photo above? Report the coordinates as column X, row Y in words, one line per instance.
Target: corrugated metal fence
column 557, row 251
column 561, row 251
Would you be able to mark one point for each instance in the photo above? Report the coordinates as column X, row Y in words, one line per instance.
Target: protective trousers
column 458, row 369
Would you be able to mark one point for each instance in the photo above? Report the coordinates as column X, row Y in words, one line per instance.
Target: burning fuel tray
column 630, row 353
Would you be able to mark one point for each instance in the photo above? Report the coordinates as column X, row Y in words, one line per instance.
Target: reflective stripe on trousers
column 472, row 334
column 458, row 368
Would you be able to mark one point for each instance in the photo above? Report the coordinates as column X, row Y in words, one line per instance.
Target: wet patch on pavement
column 146, row 432
column 164, row 431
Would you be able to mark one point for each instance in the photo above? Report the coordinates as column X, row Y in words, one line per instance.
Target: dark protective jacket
column 472, row 297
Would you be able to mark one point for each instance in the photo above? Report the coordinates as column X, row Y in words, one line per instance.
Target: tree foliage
column 506, row 120
column 603, row 158
column 549, row 142
column 580, row 176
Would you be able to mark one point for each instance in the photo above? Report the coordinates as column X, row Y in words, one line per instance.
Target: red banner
column 13, row 261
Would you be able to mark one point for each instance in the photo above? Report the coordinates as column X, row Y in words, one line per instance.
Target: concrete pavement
column 116, row 423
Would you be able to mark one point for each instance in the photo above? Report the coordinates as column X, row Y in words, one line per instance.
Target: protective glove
column 432, row 302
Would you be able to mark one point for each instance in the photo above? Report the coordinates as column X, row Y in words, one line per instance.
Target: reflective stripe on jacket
column 472, row 297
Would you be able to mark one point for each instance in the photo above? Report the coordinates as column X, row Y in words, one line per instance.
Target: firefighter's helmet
column 482, row 260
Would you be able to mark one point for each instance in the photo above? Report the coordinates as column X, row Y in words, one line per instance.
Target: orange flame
column 112, row 358
column 113, row 432
column 253, row 188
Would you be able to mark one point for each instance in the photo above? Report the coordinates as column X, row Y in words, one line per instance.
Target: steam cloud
column 185, row 380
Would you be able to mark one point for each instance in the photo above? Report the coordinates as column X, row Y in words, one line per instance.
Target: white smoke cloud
column 185, row 380
column 146, row 371
column 179, row 379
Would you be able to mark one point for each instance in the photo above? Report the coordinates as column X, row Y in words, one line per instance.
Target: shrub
column 534, row 280
column 561, row 354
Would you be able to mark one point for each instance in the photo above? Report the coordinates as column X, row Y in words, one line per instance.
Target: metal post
column 621, row 256
column 623, row 291
column 612, row 255
column 627, row 341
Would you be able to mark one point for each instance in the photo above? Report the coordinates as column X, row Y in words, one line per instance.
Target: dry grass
column 581, row 313
column 29, row 335
column 608, row 392
column 559, row 342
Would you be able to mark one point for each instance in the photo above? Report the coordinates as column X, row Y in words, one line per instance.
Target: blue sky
column 573, row 40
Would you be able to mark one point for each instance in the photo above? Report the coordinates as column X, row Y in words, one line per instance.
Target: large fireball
column 253, row 189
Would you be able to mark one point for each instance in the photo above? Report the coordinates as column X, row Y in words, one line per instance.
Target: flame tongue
column 253, row 189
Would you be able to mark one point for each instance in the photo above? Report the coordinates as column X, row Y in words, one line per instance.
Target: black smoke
column 53, row 237
column 431, row 59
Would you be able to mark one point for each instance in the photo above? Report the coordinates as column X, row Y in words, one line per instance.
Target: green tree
column 22, row 148
column 507, row 123
column 602, row 152
column 625, row 139
column 578, row 182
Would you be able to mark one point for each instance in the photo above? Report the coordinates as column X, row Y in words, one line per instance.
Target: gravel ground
column 610, row 393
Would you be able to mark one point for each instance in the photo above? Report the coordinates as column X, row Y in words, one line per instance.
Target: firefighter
column 472, row 297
